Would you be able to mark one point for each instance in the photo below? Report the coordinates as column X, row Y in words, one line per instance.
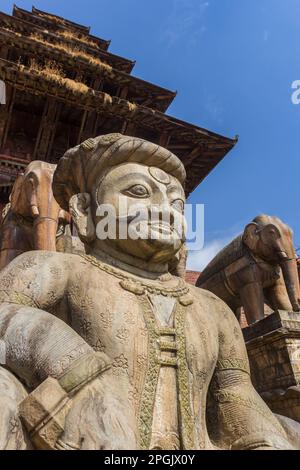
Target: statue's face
column 154, row 232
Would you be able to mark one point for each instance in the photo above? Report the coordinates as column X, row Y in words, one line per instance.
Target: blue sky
column 233, row 63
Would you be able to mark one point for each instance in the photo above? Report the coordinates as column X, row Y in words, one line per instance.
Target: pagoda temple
column 63, row 86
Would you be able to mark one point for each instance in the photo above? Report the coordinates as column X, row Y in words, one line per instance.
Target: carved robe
column 178, row 360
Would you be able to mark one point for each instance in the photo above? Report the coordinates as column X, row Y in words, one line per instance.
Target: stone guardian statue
column 107, row 350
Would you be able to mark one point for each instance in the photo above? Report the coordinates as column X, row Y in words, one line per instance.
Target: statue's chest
column 157, row 348
column 109, row 319
column 130, row 328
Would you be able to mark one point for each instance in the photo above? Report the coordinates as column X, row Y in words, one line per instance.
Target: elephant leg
column 15, row 239
column 277, row 296
column 253, row 301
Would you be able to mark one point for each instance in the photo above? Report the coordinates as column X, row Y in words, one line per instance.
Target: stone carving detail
column 100, row 339
column 273, row 346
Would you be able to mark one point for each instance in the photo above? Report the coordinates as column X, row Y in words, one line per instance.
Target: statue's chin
column 148, row 250
column 163, row 250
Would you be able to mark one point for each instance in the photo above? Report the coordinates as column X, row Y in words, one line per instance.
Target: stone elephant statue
column 257, row 267
column 33, row 220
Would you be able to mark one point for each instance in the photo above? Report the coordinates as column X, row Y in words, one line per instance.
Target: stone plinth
column 273, row 346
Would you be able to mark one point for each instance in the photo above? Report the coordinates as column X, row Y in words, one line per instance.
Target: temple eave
column 63, row 87
column 155, row 96
column 44, row 19
column 25, row 28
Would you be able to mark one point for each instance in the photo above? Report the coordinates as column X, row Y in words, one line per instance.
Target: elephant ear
column 15, row 194
column 251, row 235
column 270, row 233
column 30, row 187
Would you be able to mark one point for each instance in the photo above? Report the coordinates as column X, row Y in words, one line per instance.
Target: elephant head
column 32, row 198
column 269, row 239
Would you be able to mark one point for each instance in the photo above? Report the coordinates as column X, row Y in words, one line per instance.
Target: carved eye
column 178, row 204
column 137, row 190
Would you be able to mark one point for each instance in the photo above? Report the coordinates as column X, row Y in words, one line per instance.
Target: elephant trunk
column 290, row 275
column 45, row 233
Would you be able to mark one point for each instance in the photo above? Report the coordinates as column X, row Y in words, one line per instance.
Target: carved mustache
column 156, row 222
column 153, row 224
column 130, row 218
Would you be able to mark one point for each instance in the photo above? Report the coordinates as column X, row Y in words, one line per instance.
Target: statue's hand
column 86, row 408
column 98, row 419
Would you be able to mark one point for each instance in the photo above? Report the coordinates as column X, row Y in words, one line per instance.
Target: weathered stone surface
column 43, row 413
column 273, row 346
column 12, row 434
column 168, row 367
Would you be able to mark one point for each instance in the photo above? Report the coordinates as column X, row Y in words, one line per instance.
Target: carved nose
column 166, row 215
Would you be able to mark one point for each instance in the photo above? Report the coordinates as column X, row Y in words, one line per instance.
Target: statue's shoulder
column 87, row 269
column 209, row 302
column 40, row 259
column 204, row 295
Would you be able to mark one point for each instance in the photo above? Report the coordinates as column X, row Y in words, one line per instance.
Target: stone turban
column 81, row 167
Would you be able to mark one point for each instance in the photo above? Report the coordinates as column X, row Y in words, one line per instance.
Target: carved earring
column 80, row 209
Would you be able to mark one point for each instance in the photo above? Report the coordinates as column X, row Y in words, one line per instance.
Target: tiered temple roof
column 63, row 86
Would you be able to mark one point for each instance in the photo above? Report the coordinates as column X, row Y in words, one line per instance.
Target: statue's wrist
column 83, row 371
column 44, row 410
column 43, row 413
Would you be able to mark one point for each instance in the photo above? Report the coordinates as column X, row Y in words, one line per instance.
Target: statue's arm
column 238, row 418
column 66, row 379
column 58, row 368
column 37, row 344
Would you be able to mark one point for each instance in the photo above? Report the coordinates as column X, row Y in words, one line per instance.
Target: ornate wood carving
column 6, row 114
column 47, row 129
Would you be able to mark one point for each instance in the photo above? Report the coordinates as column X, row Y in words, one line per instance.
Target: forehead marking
column 159, row 175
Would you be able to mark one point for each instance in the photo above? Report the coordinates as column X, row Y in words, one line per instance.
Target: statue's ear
column 80, row 209
column 177, row 265
column 251, row 235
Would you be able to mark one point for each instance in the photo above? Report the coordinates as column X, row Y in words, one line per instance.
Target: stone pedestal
column 273, row 346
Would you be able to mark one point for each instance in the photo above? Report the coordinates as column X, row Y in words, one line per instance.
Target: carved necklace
column 138, row 287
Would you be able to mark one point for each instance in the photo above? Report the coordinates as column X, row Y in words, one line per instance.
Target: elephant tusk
column 34, row 210
column 282, row 255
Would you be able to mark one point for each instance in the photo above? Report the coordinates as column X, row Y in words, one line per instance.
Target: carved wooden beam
column 130, row 129
column 164, row 139
column 47, row 129
column 124, row 92
column 89, row 125
column 6, row 114
column 98, row 84
column 83, row 121
column 195, row 153
column 4, row 51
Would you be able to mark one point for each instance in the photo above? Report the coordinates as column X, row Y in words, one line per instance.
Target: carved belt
column 167, row 344
column 163, row 340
